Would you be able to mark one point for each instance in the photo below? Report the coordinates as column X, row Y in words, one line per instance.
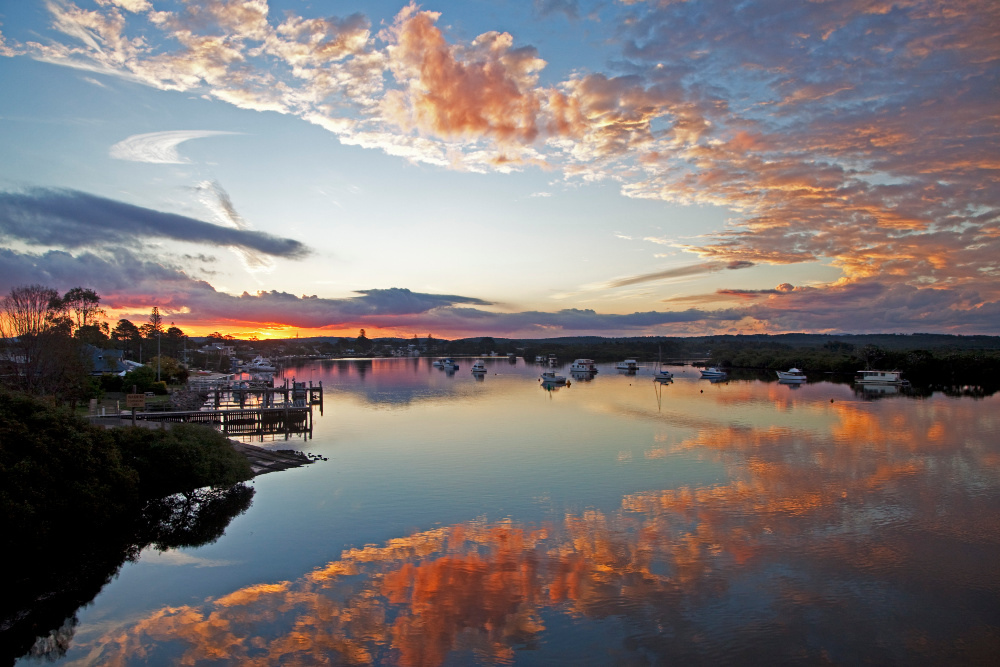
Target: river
column 462, row 521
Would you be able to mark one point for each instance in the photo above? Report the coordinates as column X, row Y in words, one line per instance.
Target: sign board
column 135, row 400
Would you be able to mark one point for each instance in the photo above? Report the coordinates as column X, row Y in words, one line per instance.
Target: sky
column 526, row 169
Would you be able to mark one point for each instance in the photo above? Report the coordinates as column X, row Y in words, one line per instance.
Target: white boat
column 880, row 377
column 792, row 375
column 583, row 366
column 449, row 364
column 550, row 377
column 713, row 372
column 479, row 367
column 438, row 363
column 630, row 365
column 662, row 375
column 553, row 361
column 539, row 359
column 259, row 364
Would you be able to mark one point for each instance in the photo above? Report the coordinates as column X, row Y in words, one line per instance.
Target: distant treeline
column 925, row 358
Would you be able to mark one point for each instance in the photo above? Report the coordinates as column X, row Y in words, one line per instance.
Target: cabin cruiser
column 583, row 366
column 259, row 364
column 449, row 364
column 550, row 377
column 792, row 375
column 630, row 365
column 479, row 367
column 713, row 372
column 881, row 377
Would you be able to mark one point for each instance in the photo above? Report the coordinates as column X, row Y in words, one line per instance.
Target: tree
column 171, row 370
column 85, row 304
column 93, row 334
column 174, row 343
column 362, row 340
column 155, row 321
column 127, row 337
column 870, row 355
column 27, row 309
column 33, row 330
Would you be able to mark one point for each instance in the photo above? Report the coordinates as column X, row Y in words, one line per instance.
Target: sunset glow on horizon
column 276, row 168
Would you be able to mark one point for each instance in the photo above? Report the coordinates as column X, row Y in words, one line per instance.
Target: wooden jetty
column 242, row 394
column 286, row 420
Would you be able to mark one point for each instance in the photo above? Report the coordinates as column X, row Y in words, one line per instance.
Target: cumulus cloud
column 158, row 147
column 852, row 133
column 72, row 219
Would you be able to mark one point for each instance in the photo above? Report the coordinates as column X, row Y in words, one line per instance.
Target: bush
column 141, row 378
column 182, row 458
column 111, row 382
column 159, row 388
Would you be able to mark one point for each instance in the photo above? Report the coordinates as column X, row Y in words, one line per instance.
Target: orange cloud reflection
column 859, row 503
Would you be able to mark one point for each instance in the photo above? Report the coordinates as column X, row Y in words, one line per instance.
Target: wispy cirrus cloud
column 679, row 272
column 158, row 147
column 72, row 219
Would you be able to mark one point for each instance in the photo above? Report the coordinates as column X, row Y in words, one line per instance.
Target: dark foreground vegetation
column 78, row 501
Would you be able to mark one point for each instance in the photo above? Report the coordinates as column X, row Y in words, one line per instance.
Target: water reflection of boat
column 880, row 378
column 478, row 367
column 791, row 376
column 583, row 376
column 629, row 365
column 583, row 366
column 713, row 372
column 550, row 377
column 879, row 390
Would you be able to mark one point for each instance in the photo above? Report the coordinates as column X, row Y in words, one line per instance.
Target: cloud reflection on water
column 872, row 540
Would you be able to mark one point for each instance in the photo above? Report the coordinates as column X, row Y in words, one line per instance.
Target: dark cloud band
column 72, row 219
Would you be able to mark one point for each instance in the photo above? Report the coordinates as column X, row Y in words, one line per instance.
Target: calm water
column 613, row 521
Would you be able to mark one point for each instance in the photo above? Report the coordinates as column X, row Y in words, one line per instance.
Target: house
column 105, row 361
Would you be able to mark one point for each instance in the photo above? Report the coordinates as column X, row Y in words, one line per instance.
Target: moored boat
column 259, row 364
column 629, row 365
column 550, row 377
column 479, row 367
column 583, row 366
column 713, row 372
column 791, row 376
column 880, row 377
column 663, row 375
